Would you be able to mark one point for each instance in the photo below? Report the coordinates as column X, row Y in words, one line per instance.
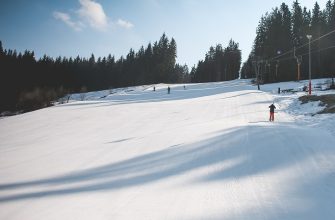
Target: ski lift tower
column 299, row 59
column 309, row 36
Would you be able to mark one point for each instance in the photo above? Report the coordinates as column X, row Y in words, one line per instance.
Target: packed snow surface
column 204, row 152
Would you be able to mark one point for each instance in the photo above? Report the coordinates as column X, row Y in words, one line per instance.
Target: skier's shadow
column 256, row 122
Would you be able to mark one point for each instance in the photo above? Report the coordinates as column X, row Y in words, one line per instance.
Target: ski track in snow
column 207, row 152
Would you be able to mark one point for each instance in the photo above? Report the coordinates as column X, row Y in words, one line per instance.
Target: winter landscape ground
column 206, row 152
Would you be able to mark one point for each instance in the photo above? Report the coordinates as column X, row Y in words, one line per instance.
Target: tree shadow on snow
column 253, row 149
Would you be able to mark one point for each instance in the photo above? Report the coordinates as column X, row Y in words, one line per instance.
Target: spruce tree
column 297, row 24
column 331, row 20
column 1, row 48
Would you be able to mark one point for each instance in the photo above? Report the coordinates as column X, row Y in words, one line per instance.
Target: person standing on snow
column 272, row 112
column 169, row 89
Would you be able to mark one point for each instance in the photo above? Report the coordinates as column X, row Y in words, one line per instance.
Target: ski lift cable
column 315, row 51
column 290, row 51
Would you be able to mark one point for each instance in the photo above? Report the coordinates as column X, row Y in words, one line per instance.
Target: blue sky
column 102, row 27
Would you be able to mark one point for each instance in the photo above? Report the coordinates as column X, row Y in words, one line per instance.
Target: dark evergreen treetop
column 220, row 64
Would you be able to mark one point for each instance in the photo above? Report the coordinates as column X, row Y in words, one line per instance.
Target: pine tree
column 286, row 31
column 331, row 19
column 1, row 48
column 297, row 24
column 92, row 60
column 173, row 49
column 172, row 55
column 330, row 53
column 261, row 37
column 316, row 31
column 328, row 12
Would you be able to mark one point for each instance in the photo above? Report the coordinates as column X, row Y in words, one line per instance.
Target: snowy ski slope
column 207, row 152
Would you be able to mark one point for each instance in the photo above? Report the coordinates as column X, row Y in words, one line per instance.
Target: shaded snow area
column 204, row 152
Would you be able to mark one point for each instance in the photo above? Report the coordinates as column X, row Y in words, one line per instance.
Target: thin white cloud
column 77, row 26
column 124, row 24
column 93, row 13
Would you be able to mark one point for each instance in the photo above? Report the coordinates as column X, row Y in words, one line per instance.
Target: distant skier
column 272, row 112
column 154, row 88
column 169, row 89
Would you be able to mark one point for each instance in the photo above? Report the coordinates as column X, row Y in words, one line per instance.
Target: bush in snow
column 40, row 98
column 35, row 99
column 83, row 91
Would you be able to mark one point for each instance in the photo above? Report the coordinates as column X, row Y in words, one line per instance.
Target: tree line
column 220, row 64
column 28, row 83
column 281, row 48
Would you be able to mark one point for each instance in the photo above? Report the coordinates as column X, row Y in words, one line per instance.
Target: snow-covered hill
column 204, row 152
